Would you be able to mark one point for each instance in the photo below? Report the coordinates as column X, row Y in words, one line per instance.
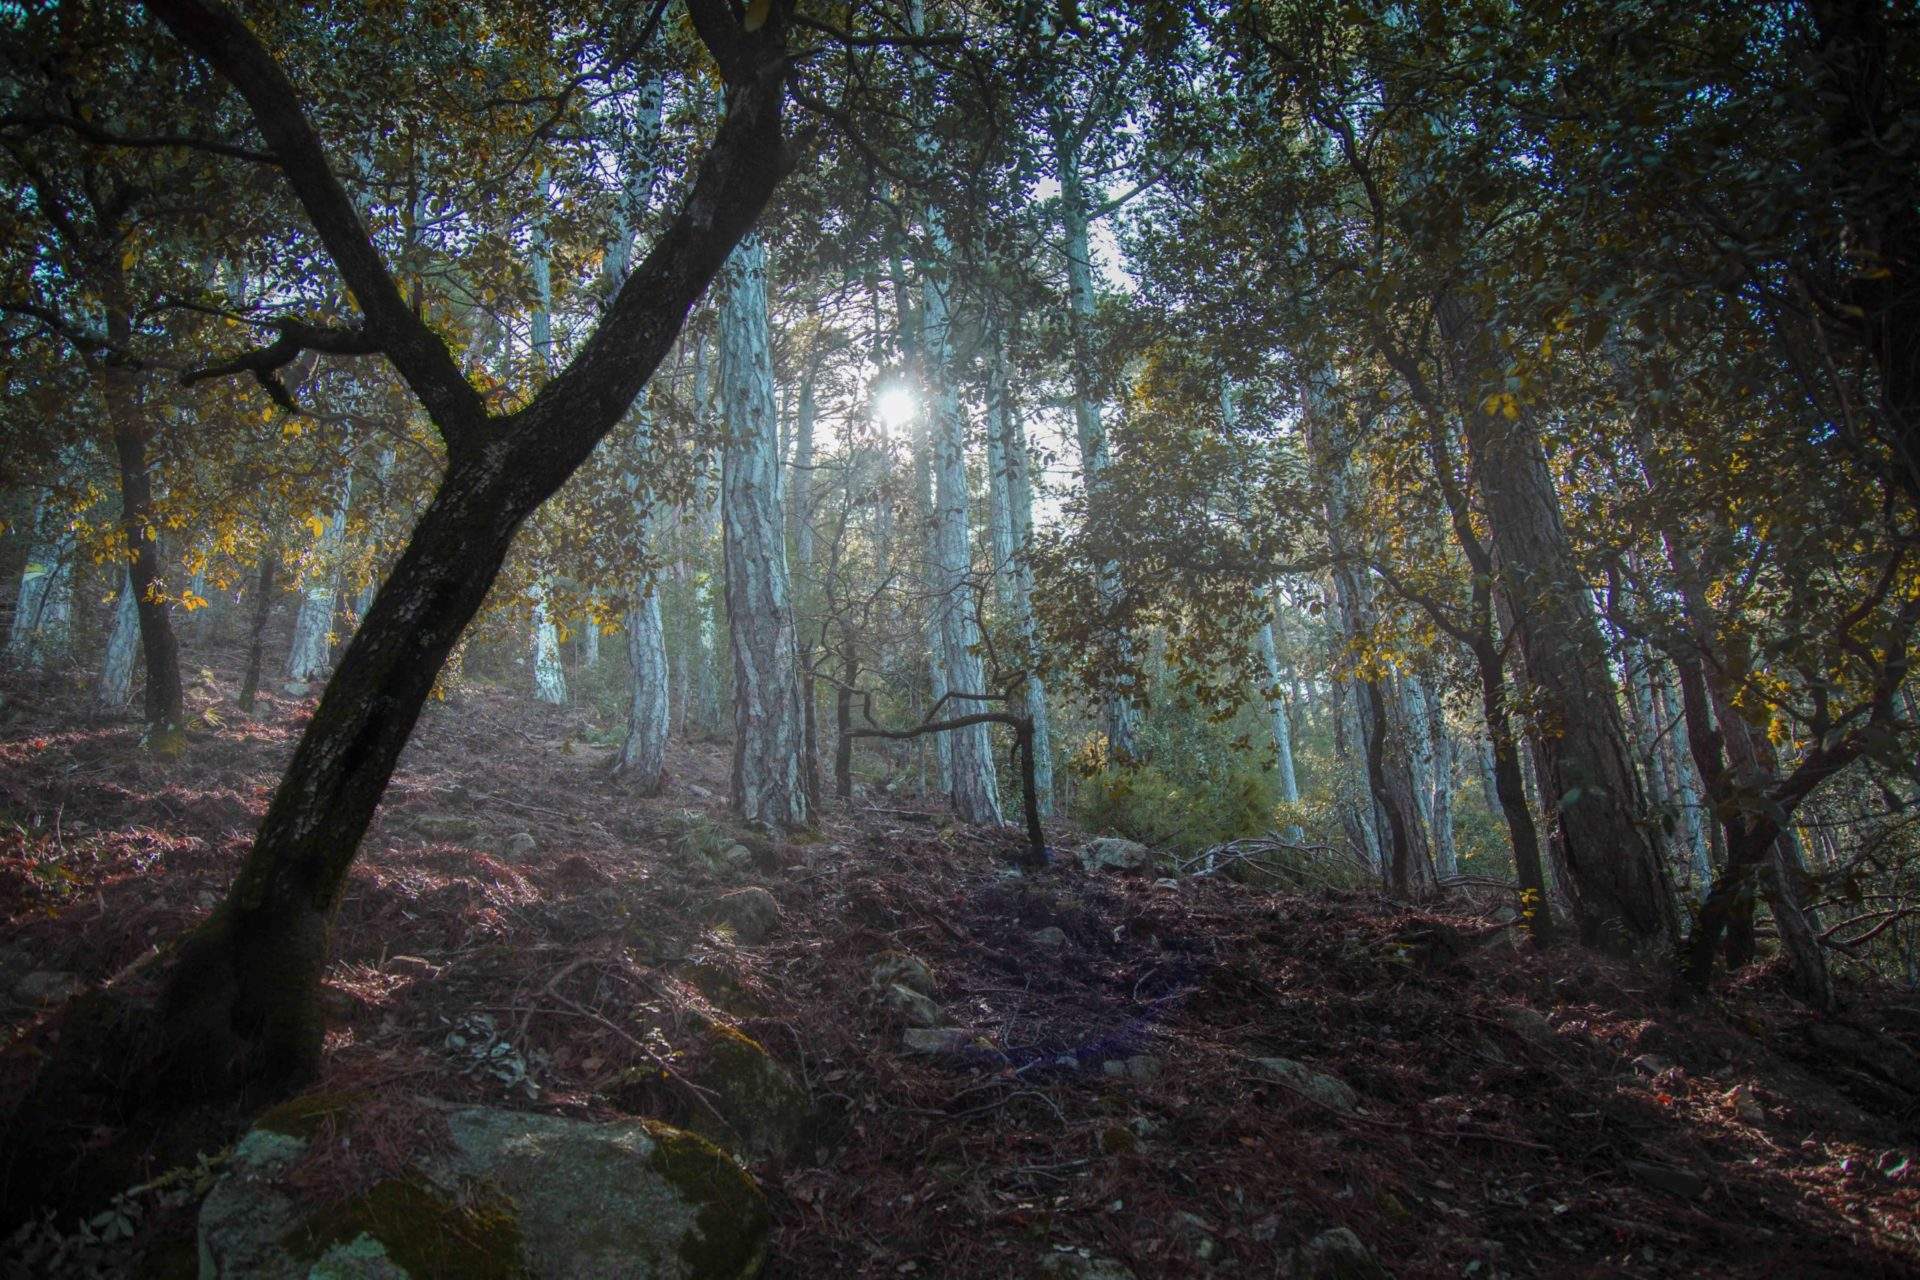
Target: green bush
column 1145, row 803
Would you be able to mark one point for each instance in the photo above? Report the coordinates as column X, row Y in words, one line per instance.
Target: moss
column 730, row 1213
column 306, row 1116
column 430, row 1234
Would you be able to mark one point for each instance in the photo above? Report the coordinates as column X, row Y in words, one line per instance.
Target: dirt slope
column 1513, row 1114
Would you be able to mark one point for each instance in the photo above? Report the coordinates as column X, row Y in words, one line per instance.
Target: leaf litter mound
column 521, row 931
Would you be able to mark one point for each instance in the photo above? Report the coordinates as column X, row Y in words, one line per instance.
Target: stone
column 1142, row 1067
column 1166, row 882
column 1324, row 1089
column 1651, row 1064
column 914, row 1008
column 511, row 1194
column 1742, row 1103
column 296, row 688
column 1197, row 1234
column 750, row 914
column 1111, row 853
column 1337, row 1254
column 764, row 1111
column 736, row 857
column 1051, row 936
column 520, row 846
column 48, row 986
column 902, row 968
column 936, row 1039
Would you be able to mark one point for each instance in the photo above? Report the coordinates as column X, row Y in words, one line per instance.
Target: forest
column 978, row 638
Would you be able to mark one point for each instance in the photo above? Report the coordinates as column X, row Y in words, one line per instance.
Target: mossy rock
column 517, row 1194
column 722, row 987
column 306, row 1116
column 749, row 1103
column 413, row 1226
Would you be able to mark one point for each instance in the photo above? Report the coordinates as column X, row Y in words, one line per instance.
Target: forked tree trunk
column 241, row 1001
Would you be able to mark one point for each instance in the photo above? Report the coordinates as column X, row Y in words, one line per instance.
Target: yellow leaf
column 317, row 525
column 190, row 601
column 757, row 14
column 127, row 259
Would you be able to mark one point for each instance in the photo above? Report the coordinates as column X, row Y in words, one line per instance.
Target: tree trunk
column 312, row 650
column 257, row 633
column 165, row 700
column 974, row 784
column 643, row 755
column 1277, row 722
column 1593, row 795
column 42, row 630
column 116, row 668
column 768, row 723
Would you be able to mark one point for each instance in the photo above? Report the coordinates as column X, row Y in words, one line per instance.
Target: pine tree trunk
column 974, row 786
column 643, row 755
column 768, row 724
column 312, row 650
column 116, row 667
column 1613, row 853
column 42, row 629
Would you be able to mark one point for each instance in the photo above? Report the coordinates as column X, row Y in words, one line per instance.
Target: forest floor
column 1517, row 1113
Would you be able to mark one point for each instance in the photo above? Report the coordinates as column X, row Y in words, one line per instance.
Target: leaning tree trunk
column 1613, row 852
column 241, row 1004
column 767, row 783
column 116, row 667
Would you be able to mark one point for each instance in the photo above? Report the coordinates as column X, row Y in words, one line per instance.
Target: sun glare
column 894, row 407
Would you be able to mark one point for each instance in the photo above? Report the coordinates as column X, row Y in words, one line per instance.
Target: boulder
column 1308, row 1083
column 509, row 1194
column 1531, row 1026
column 902, row 968
column 1053, row 936
column 520, row 846
column 750, row 914
column 1111, row 853
column 763, row 1111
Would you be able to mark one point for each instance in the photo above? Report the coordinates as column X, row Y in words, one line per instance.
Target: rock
column 296, row 688
column 1141, row 1066
column 763, row 1110
column 1066, row 1263
column 750, row 914
column 520, row 846
column 902, row 968
column 1111, row 853
column 722, row 987
column 1675, row 1182
column 452, row 828
column 1742, row 1103
column 1308, row 1083
column 1651, row 1064
column 1166, row 882
column 1337, row 1254
column 936, row 1039
column 512, row 1193
column 735, row 857
column 916, row 1009
column 1051, row 936
column 47, row 986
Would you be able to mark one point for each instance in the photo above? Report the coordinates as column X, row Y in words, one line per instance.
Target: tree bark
column 1613, row 852
column 116, row 667
column 165, row 698
column 257, row 632
column 42, row 629
column 767, row 720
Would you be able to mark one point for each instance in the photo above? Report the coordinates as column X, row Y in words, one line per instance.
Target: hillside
column 1105, row 1088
